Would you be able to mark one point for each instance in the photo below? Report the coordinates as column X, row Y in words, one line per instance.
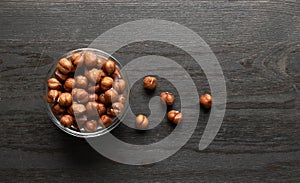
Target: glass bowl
column 80, row 132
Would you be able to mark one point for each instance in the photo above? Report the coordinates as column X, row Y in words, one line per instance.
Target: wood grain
column 256, row 42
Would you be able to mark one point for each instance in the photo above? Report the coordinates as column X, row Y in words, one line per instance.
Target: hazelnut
column 119, row 85
column 90, row 59
column 92, row 88
column 174, row 116
column 81, row 120
column 80, row 95
column 122, row 99
column 74, row 56
column 105, row 121
column 141, row 121
column 111, row 96
column 94, row 75
column 116, row 74
column 69, row 84
column 57, row 109
column 65, row 66
column 167, row 98
column 100, row 61
column 78, row 109
column 93, row 97
column 150, row 83
column 67, row 120
column 109, row 66
column 54, row 84
column 65, row 99
column 53, row 96
column 91, row 126
column 206, row 101
column 78, row 61
column 106, row 83
column 116, row 109
column 92, row 109
column 81, row 81
column 102, row 99
column 101, row 109
column 60, row 76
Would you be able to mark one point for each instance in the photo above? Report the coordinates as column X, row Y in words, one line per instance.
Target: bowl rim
column 116, row 121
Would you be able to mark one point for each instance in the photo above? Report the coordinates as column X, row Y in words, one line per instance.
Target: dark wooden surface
column 256, row 42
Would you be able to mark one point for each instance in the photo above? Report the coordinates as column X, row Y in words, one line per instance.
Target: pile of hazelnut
column 167, row 98
column 93, row 95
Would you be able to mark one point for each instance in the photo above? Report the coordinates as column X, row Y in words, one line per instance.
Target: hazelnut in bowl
column 86, row 93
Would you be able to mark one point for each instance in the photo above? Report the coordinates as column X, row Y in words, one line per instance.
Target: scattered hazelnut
column 167, row 98
column 105, row 121
column 91, row 126
column 206, row 101
column 65, row 99
column 90, row 59
column 67, row 120
column 53, row 96
column 106, row 83
column 150, row 83
column 111, row 95
column 109, row 66
column 69, row 84
column 60, row 76
column 65, row 66
column 141, row 121
column 122, row 99
column 81, row 81
column 119, row 85
column 174, row 116
column 78, row 109
column 54, row 84
column 57, row 109
column 80, row 95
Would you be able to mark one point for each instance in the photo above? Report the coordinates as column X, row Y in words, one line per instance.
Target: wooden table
column 256, row 42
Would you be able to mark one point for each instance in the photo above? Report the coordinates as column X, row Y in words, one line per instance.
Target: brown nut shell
column 53, row 96
column 119, row 85
column 109, row 66
column 67, row 120
column 106, row 83
column 105, row 121
column 206, row 100
column 65, row 99
column 69, row 84
column 81, row 81
column 54, row 84
column 57, row 109
column 65, row 66
column 174, row 116
column 150, row 83
column 141, row 121
column 90, row 59
column 91, row 126
column 167, row 98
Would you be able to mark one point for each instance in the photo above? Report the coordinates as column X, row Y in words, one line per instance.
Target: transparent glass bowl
column 79, row 132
